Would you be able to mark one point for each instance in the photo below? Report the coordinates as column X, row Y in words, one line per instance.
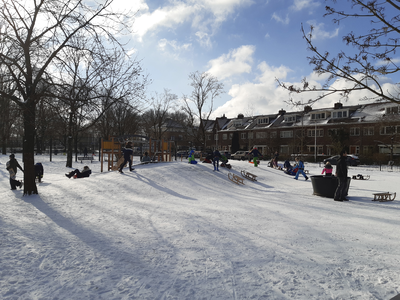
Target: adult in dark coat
column 216, row 158
column 128, row 151
column 13, row 164
column 341, row 174
column 80, row 174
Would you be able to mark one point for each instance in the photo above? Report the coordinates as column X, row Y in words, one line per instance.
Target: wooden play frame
column 158, row 150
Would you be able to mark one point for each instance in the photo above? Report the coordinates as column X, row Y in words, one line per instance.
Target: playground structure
column 158, row 150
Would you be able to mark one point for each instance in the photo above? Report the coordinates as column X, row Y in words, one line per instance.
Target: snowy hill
column 181, row 231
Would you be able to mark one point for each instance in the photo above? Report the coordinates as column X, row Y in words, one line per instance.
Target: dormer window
column 317, row 116
column 290, row 118
column 340, row 114
column 237, row 123
column 263, row 121
column 392, row 110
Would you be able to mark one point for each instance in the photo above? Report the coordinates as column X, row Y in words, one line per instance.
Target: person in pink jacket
column 328, row 169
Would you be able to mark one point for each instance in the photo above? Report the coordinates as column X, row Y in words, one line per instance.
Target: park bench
column 384, row 197
column 248, row 175
column 236, row 179
column 82, row 158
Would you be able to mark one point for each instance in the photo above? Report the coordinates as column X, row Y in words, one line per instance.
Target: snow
column 182, row 231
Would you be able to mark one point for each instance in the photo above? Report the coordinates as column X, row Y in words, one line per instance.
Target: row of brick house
column 371, row 129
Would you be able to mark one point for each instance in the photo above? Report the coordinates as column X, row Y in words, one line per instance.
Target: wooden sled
column 248, row 175
column 360, row 177
column 384, row 197
column 236, row 179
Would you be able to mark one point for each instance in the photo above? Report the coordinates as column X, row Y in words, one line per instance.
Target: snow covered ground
column 181, row 231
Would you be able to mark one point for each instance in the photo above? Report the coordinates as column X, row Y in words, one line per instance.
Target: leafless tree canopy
column 206, row 88
column 372, row 55
column 65, row 51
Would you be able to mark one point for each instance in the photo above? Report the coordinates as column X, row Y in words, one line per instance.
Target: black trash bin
column 325, row 186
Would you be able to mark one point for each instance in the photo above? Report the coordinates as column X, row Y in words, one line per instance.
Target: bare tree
column 206, row 88
column 93, row 81
column 154, row 120
column 121, row 119
column 32, row 50
column 374, row 55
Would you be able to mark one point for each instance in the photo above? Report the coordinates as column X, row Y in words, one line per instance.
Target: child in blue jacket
column 300, row 169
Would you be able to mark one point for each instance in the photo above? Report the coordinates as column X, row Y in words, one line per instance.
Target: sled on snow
column 360, row 177
column 248, row 175
column 384, row 197
column 236, row 179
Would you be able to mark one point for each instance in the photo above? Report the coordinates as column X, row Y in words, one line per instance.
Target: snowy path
column 180, row 231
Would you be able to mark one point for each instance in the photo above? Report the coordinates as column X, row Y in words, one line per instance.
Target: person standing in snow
column 216, row 158
column 276, row 156
column 300, row 169
column 128, row 152
column 341, row 174
column 255, row 154
column 12, row 166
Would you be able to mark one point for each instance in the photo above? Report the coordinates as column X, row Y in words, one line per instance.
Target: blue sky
column 246, row 44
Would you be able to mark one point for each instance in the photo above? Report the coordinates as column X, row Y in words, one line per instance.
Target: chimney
column 307, row 109
column 282, row 112
column 240, row 116
column 338, row 105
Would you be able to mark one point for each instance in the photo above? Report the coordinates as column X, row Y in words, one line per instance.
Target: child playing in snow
column 328, row 169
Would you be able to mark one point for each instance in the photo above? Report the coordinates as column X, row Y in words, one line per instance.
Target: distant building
column 366, row 130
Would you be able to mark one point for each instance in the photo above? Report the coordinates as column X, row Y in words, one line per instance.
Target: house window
column 340, row 114
column 286, row 134
column 368, row 150
column 318, row 116
column 387, row 130
column 172, row 138
column 263, row 121
column 243, row 136
column 261, row 135
column 230, row 136
column 320, row 149
column 284, row 149
column 368, row 131
column 354, row 131
column 313, row 132
column 224, row 136
column 208, row 137
column 332, row 131
column 392, row 110
column 250, row 135
column 273, row 134
column 216, row 137
column 290, row 118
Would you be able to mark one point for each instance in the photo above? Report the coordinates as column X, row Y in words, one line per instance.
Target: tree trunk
column 29, row 147
column 69, row 143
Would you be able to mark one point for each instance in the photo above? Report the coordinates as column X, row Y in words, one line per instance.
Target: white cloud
column 262, row 96
column 204, row 39
column 163, row 17
column 237, row 61
column 194, row 12
column 320, row 33
column 279, row 19
column 173, row 48
column 302, row 4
